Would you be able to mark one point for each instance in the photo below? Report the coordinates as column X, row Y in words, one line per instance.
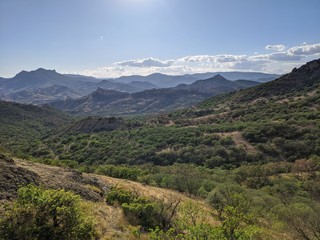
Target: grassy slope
column 110, row 220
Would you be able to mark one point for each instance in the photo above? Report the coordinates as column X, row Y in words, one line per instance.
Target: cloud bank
column 280, row 60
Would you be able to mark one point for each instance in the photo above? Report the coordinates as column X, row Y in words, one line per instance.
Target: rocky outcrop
column 12, row 177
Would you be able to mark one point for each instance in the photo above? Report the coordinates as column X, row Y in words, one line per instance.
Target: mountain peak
column 24, row 73
column 44, row 70
column 157, row 75
column 218, row 77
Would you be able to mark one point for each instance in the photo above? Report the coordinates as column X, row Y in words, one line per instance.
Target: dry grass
column 110, row 222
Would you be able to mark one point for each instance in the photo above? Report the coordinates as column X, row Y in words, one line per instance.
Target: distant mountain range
column 165, row 81
column 110, row 102
column 43, row 86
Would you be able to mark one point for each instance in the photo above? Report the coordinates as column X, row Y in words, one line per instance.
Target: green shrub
column 45, row 214
column 148, row 213
column 119, row 196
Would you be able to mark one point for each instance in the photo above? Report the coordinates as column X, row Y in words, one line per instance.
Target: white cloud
column 212, row 59
column 274, row 62
column 145, row 63
column 277, row 47
column 305, row 50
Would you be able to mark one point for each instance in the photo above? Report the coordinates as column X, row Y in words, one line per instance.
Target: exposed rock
column 12, row 177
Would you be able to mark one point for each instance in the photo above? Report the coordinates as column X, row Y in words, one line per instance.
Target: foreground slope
column 110, row 221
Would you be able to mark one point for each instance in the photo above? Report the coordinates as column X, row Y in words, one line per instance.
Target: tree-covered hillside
column 23, row 126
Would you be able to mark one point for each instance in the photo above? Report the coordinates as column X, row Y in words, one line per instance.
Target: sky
column 111, row 38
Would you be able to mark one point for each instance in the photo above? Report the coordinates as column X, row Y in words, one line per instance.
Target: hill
column 22, row 126
column 108, row 102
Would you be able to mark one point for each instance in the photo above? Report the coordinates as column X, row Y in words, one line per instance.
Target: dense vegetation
column 23, row 126
column 254, row 155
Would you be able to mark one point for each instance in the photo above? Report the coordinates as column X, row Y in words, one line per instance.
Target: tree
column 46, row 214
column 234, row 211
column 222, row 196
column 303, row 220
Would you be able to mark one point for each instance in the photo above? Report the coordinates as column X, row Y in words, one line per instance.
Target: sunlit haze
column 111, row 38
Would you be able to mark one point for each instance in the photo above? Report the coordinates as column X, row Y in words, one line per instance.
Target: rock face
column 12, row 177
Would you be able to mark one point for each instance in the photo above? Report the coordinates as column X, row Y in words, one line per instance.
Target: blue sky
column 109, row 38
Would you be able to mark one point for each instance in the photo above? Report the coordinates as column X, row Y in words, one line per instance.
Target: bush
column 45, row 214
column 148, row 213
column 119, row 196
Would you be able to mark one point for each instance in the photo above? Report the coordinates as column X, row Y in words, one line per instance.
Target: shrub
column 119, row 196
column 148, row 213
column 46, row 214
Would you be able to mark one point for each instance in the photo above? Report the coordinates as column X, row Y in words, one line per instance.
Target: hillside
column 189, row 216
column 251, row 158
column 110, row 221
column 22, row 126
column 297, row 89
column 108, row 102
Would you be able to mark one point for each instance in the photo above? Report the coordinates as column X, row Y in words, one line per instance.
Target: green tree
column 235, row 211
